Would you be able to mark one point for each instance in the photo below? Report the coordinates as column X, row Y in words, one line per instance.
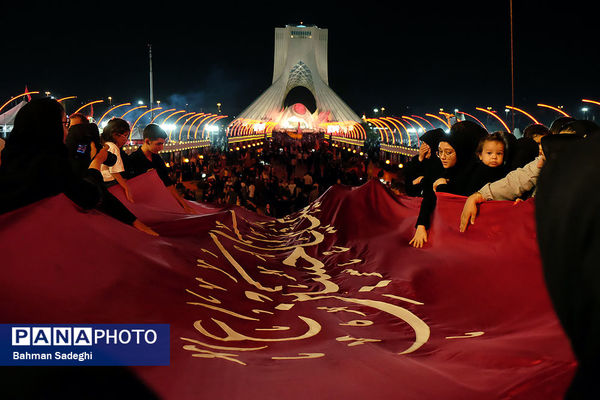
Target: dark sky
column 422, row 55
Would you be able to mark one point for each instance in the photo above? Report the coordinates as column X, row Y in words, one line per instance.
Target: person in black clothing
column 568, row 232
column 523, row 152
column 425, row 163
column 492, row 153
column 2, row 144
column 83, row 142
column 147, row 157
column 558, row 123
column 457, row 155
column 536, row 132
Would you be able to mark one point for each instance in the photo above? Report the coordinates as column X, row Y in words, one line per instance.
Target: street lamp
column 109, row 101
column 47, row 94
column 585, row 110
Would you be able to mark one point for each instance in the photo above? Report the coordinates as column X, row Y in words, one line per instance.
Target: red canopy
column 330, row 302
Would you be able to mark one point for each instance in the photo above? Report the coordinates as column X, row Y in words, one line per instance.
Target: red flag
column 330, row 302
column 27, row 91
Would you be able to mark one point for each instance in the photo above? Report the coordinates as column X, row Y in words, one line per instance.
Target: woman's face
column 447, row 155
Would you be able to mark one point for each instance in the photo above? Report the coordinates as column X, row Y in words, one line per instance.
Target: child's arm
column 123, row 182
column 186, row 207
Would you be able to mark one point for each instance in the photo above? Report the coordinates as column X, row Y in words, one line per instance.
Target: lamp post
column 585, row 110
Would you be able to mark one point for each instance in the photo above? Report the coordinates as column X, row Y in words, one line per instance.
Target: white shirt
column 118, row 167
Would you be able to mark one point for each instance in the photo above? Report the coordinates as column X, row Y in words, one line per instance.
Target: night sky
column 410, row 57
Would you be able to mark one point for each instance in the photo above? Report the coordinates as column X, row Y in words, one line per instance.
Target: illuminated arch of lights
column 439, row 119
column 394, row 121
column 16, row 97
column 189, row 114
column 111, row 109
column 170, row 115
column 212, row 120
column 140, row 117
column 416, row 122
column 554, row 108
column 493, row 114
column 591, row 102
column 66, row 98
column 379, row 125
column 424, row 119
column 133, row 109
column 204, row 118
column 229, row 129
column 469, row 115
column 88, row 104
column 535, row 121
column 192, row 118
column 161, row 113
column 391, row 129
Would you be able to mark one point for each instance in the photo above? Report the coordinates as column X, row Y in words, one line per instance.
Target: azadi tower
column 300, row 60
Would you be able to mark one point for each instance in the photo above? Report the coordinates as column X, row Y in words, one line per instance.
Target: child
column 147, row 157
column 115, row 134
column 492, row 153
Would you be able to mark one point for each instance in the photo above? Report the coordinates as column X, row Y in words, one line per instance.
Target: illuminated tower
column 300, row 60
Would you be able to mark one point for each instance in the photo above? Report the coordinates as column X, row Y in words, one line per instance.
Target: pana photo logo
column 94, row 344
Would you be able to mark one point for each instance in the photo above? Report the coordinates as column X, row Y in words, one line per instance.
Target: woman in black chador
column 423, row 164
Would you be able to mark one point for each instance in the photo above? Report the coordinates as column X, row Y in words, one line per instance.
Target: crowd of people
column 274, row 179
column 48, row 153
column 471, row 162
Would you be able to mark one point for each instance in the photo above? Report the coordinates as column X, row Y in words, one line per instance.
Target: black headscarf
column 427, row 167
column 432, row 138
column 582, row 128
column 464, row 137
column 524, row 151
column 553, row 146
column 38, row 128
column 568, row 228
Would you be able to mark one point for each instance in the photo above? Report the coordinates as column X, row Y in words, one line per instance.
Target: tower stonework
column 300, row 59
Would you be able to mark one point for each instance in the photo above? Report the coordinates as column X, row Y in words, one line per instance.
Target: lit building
column 300, row 61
